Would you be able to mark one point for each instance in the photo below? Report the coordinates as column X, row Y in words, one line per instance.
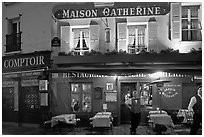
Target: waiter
column 134, row 104
column 195, row 106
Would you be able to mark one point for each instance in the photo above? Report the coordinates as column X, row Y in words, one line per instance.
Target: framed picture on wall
column 43, row 85
column 111, row 96
column 109, row 86
column 44, row 99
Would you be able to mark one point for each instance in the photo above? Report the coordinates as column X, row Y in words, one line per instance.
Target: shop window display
column 81, row 97
column 146, row 93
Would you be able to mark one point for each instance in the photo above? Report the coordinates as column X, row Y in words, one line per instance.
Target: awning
column 25, row 73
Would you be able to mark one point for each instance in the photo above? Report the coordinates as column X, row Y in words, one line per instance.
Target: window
column 191, row 26
column 136, row 38
column 81, row 40
column 13, row 38
column 30, row 98
column 81, row 97
column 146, row 93
column 8, row 98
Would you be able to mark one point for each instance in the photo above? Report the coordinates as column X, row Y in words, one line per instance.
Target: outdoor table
column 102, row 119
column 65, row 118
column 160, row 120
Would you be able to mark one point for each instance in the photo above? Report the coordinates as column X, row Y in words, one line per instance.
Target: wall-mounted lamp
column 107, row 30
column 107, row 35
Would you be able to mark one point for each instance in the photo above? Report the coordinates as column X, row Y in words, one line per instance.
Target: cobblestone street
column 14, row 129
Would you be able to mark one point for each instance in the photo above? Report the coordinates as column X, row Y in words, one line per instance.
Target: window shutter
column 152, row 24
column 94, row 38
column 175, row 19
column 122, row 29
column 65, row 41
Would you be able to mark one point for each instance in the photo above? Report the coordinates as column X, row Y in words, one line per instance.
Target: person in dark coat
column 195, row 106
column 134, row 104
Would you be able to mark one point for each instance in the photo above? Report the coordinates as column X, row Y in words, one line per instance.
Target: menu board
column 111, row 96
column 43, row 85
column 44, row 99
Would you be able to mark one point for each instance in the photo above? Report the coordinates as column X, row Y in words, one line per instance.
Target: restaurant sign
column 22, row 62
column 129, row 75
column 171, row 91
column 119, row 9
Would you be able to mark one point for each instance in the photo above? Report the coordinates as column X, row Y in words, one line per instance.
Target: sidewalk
column 14, row 129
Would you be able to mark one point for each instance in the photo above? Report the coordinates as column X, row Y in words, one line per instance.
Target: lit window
column 81, row 40
column 146, row 93
column 191, row 26
column 81, row 97
column 136, row 38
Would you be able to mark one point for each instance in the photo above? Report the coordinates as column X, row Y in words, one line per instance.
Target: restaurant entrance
column 126, row 88
column 145, row 94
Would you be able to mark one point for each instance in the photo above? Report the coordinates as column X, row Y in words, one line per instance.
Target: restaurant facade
column 25, row 87
column 88, row 56
column 103, row 51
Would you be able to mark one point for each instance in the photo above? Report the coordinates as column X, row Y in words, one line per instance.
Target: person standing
column 134, row 104
column 195, row 106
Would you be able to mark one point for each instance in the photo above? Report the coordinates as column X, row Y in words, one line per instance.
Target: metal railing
column 13, row 42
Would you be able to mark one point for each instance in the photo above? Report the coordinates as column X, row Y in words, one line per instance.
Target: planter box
column 129, row 58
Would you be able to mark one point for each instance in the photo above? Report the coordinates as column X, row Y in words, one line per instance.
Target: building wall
column 35, row 25
column 162, row 41
column 38, row 28
column 173, row 97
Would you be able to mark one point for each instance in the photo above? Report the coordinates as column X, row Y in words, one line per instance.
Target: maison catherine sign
column 118, row 10
column 22, row 62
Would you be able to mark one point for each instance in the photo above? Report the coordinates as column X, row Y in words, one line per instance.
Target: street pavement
column 15, row 129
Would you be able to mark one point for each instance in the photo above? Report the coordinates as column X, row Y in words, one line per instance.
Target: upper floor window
column 136, row 38
column 81, row 40
column 13, row 38
column 191, row 26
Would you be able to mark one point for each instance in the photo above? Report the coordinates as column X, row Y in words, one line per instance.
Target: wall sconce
column 107, row 30
column 107, row 35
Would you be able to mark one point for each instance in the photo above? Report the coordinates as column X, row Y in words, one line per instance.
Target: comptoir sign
column 20, row 62
column 24, row 61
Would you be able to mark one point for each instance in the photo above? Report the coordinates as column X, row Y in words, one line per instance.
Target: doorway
column 125, row 112
column 30, row 105
column 145, row 93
